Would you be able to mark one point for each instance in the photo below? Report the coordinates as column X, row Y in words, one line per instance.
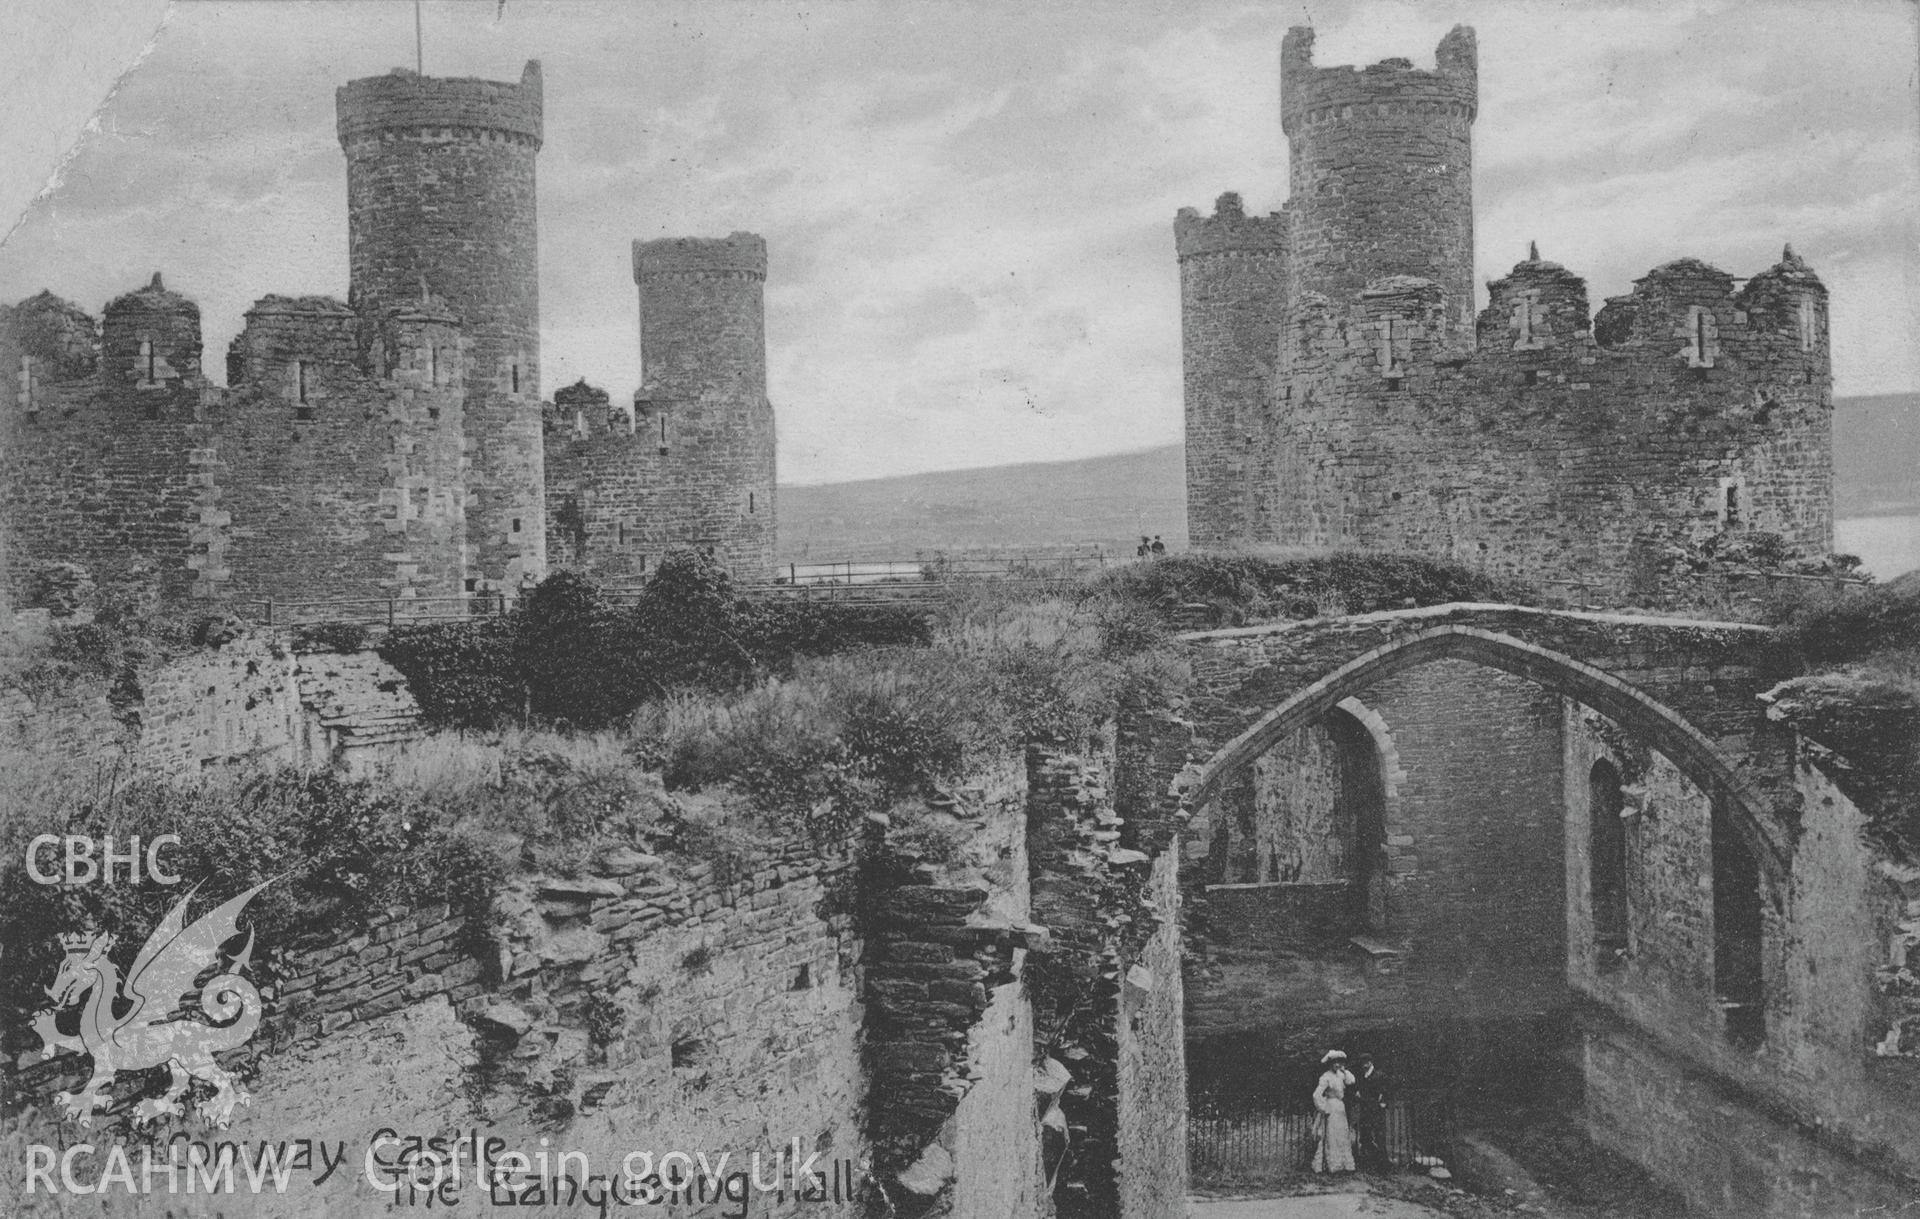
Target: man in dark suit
column 1367, row 1113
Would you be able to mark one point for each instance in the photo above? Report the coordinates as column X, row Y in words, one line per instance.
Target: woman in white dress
column 1335, row 1150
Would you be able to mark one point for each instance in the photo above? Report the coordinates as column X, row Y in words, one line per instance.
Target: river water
column 1888, row 546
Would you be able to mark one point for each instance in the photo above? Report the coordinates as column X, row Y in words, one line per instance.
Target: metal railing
column 1272, row 1144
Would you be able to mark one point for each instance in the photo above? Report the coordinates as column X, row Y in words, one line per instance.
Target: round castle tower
column 703, row 399
column 1233, row 303
column 440, row 196
column 1380, row 172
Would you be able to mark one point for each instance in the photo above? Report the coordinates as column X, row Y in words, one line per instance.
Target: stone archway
column 1657, row 724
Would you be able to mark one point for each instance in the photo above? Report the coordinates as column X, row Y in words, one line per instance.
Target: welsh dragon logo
column 132, row 1027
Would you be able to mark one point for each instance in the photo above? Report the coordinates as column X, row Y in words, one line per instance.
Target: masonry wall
column 252, row 701
column 1152, row 1072
column 618, row 499
column 86, row 479
column 1470, row 902
column 1538, row 440
column 643, row 1007
column 1817, row 1118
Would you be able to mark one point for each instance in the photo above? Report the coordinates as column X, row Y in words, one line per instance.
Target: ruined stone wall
column 440, row 198
column 1555, row 456
column 618, row 499
column 1724, row 1154
column 1474, row 842
column 642, row 1008
column 1831, row 1105
column 88, row 479
column 1107, row 989
column 1152, row 1074
column 252, row 702
column 335, row 483
column 1469, row 899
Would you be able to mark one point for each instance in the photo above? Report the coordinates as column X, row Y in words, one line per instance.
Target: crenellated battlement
column 738, row 253
column 393, row 444
column 1390, row 93
column 1343, row 391
column 1229, row 231
column 405, row 104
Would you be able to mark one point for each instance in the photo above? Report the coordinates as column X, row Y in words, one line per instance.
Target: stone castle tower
column 440, row 199
column 394, row 445
column 1341, row 390
column 693, row 461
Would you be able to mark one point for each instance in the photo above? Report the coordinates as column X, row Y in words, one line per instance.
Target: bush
column 463, row 674
column 336, row 850
column 567, row 656
column 1829, row 628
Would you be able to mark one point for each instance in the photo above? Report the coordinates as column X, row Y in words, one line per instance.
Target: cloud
column 968, row 205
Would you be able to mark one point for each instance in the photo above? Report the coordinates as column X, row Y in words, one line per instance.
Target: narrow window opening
column 1738, row 936
column 147, row 358
column 471, row 583
column 663, row 435
column 1730, row 506
column 300, row 379
column 1806, row 323
column 750, row 507
column 26, row 384
column 516, row 378
column 802, row 978
column 1607, row 865
column 516, row 524
column 433, row 365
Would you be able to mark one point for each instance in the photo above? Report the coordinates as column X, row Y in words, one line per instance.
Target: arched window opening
column 1607, row 865
column 147, row 359
column 1361, row 810
column 1739, row 935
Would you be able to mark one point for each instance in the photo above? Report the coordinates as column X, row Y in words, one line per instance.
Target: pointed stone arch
column 1659, row 725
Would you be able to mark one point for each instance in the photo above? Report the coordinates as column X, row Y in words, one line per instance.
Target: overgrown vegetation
column 568, row 656
column 1243, row 588
column 692, row 722
column 1874, row 632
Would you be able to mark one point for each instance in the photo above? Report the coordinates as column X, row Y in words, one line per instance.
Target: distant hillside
column 1111, row 501
column 1038, row 506
column 1876, row 455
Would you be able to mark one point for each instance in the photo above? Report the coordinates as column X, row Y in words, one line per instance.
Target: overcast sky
column 968, row 206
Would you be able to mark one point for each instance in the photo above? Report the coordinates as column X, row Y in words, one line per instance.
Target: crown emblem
column 75, row 941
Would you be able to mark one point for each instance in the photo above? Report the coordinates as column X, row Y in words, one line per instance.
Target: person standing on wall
column 1367, row 1114
column 1334, row 1152
column 1159, row 547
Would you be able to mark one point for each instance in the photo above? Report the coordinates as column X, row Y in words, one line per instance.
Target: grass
column 1872, row 636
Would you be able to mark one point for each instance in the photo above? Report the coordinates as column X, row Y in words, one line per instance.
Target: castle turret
column 1380, row 173
column 440, row 195
column 1233, row 302
column 1537, row 306
column 150, row 349
column 703, row 398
